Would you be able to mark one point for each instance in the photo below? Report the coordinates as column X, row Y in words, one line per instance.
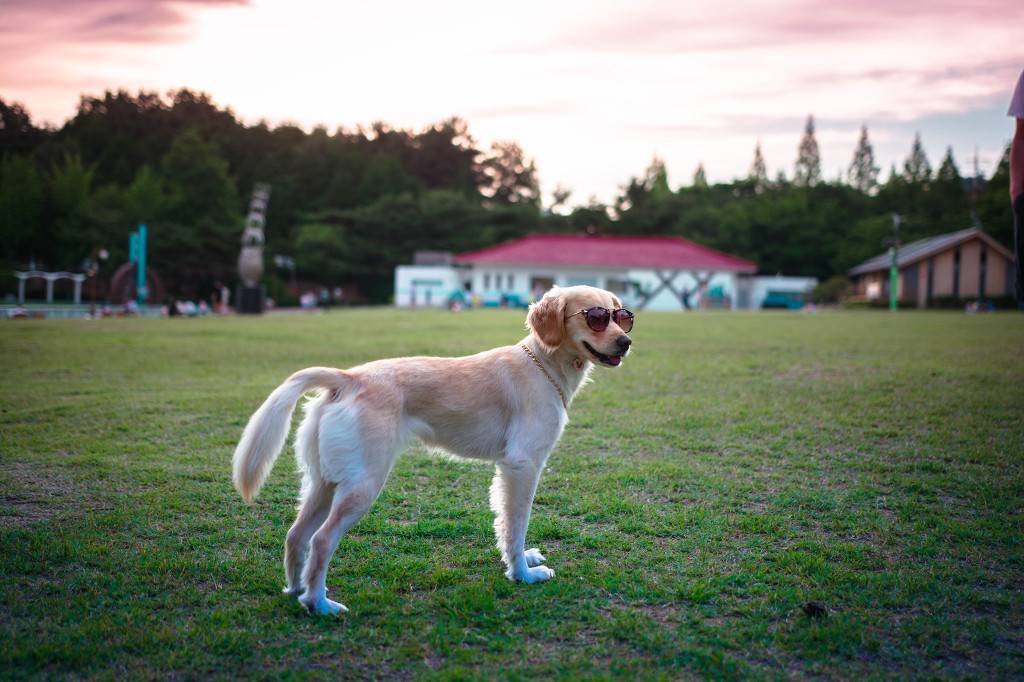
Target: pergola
column 50, row 278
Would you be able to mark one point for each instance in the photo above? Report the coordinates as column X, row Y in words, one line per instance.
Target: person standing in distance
column 1017, row 186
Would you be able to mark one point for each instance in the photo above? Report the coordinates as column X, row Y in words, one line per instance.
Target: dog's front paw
column 534, row 574
column 323, row 607
column 293, row 591
column 533, row 557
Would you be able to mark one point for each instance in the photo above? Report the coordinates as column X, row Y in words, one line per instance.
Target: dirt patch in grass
column 32, row 493
column 662, row 614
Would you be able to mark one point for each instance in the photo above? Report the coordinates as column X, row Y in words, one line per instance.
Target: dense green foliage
column 735, row 468
column 350, row 205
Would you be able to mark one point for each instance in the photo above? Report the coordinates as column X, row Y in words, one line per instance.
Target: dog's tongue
column 614, row 360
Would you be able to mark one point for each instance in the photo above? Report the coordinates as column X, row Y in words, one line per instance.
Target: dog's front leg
column 515, row 483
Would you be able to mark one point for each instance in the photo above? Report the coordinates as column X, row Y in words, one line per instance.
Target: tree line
column 349, row 205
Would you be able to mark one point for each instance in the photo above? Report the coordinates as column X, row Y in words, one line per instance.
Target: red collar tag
column 577, row 363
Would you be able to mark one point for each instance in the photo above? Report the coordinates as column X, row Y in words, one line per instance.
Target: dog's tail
column 267, row 429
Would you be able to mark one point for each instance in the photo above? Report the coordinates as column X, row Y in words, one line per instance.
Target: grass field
column 735, row 468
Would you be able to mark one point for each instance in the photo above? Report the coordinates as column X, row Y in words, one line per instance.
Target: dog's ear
column 547, row 319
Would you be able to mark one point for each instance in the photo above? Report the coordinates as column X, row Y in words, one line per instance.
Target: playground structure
column 124, row 285
column 50, row 277
column 131, row 283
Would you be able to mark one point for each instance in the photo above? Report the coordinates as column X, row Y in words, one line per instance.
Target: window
column 487, row 281
column 538, row 285
column 617, row 286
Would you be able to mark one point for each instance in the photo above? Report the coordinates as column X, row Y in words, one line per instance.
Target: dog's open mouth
column 610, row 360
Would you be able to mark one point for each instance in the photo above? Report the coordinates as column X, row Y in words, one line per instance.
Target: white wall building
column 647, row 273
column 427, row 285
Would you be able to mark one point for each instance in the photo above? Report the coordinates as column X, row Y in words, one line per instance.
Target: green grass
column 735, row 468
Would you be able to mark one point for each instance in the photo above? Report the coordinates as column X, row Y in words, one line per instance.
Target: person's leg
column 1018, row 247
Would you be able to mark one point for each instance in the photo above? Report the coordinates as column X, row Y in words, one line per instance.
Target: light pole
column 286, row 262
column 97, row 255
column 893, row 243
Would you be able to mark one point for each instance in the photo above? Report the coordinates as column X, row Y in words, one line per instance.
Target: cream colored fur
column 496, row 406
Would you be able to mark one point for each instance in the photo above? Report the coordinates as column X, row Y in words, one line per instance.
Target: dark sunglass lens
column 624, row 319
column 597, row 319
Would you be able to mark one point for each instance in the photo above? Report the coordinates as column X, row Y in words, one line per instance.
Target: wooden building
column 960, row 266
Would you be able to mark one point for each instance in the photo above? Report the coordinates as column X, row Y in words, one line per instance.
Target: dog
column 507, row 405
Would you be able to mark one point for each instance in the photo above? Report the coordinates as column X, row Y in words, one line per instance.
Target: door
column 910, row 285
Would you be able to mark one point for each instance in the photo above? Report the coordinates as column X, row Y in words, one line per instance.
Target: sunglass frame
column 611, row 316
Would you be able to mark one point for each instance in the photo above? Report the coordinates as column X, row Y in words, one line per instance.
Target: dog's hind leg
column 313, row 509
column 314, row 500
column 349, row 504
column 358, row 445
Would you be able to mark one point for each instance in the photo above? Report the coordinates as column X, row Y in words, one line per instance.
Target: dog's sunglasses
column 598, row 318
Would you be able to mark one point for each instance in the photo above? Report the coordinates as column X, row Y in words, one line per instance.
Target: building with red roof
column 646, row 272
column 606, row 251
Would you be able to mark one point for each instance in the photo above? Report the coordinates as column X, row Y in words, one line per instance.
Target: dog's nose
column 623, row 343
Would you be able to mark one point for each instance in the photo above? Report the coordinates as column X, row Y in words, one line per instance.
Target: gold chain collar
column 548, row 376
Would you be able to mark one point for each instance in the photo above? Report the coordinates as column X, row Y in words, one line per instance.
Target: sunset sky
column 590, row 89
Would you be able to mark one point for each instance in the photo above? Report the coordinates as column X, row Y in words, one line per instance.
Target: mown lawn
column 737, row 467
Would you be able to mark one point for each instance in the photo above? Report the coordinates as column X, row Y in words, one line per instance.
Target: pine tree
column 948, row 172
column 894, row 175
column 656, row 178
column 758, row 171
column 949, row 196
column 863, row 173
column 917, row 169
column 700, row 178
column 807, row 172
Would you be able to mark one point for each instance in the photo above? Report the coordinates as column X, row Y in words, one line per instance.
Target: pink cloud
column 657, row 27
column 56, row 50
column 591, row 88
column 30, row 24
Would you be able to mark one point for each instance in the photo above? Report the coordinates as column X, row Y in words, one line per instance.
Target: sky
column 591, row 89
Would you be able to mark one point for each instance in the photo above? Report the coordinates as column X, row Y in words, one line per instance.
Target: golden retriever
column 507, row 405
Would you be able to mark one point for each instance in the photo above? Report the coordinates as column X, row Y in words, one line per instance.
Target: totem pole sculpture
column 250, row 260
